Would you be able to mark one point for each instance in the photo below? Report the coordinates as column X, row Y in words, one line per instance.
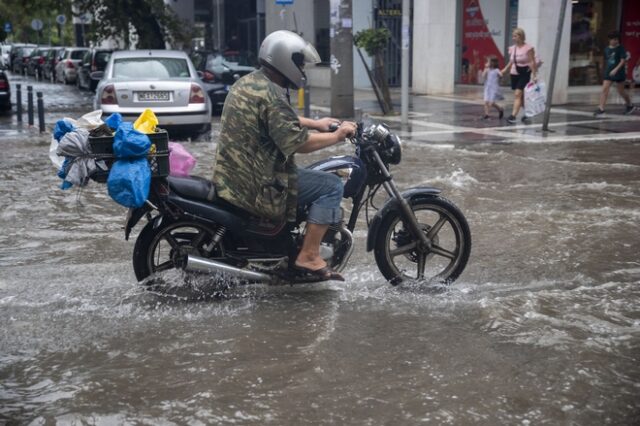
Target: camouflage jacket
column 259, row 134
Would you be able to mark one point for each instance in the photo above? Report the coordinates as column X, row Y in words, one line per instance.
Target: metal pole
column 554, row 64
column 19, row 102
column 40, row 111
column 405, row 62
column 341, row 59
column 30, row 105
column 307, row 100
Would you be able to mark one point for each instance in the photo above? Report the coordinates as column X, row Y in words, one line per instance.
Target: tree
column 152, row 22
column 374, row 41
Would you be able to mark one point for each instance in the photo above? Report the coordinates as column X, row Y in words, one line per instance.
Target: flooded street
column 543, row 327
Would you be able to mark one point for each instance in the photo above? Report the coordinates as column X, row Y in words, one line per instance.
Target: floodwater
column 543, row 327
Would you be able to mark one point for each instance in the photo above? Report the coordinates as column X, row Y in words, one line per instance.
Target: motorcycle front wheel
column 164, row 247
column 399, row 257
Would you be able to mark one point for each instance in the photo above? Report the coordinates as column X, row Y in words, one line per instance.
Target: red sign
column 630, row 37
column 478, row 40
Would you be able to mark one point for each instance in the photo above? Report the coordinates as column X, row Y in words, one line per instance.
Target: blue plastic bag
column 62, row 128
column 130, row 143
column 114, row 120
column 129, row 182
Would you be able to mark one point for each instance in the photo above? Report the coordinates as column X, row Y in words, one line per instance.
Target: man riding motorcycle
column 259, row 136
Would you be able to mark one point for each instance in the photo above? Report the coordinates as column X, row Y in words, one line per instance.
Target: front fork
column 423, row 242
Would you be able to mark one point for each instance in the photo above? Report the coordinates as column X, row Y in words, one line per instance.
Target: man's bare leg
column 309, row 256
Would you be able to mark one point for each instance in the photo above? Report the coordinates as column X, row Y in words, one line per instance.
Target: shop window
column 591, row 21
column 322, row 24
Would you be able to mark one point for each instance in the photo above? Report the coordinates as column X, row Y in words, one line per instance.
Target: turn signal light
column 108, row 96
column 197, row 95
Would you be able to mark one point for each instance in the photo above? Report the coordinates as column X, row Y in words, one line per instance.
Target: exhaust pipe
column 208, row 266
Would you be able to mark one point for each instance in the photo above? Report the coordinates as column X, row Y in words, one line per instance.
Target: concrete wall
column 279, row 17
column 434, row 29
column 539, row 20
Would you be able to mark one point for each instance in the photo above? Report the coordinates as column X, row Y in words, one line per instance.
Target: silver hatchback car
column 164, row 81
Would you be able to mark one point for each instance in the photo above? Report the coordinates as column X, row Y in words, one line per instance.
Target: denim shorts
column 321, row 194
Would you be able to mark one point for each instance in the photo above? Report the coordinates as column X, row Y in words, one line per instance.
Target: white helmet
column 286, row 52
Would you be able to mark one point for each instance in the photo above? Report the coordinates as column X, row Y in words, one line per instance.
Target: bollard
column 30, row 105
column 40, row 112
column 19, row 102
column 307, row 100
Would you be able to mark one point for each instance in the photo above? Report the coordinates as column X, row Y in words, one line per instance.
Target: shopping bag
column 181, row 162
column 146, row 122
column 535, row 96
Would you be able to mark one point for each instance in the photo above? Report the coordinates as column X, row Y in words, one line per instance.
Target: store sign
column 284, row 1
column 630, row 39
column 483, row 36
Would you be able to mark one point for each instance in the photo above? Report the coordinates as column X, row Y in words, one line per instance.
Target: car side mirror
column 97, row 75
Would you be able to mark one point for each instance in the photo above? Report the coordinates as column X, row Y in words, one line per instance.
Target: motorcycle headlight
column 392, row 153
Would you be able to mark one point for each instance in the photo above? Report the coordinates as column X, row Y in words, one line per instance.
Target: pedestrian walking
column 492, row 93
column 615, row 56
column 523, row 68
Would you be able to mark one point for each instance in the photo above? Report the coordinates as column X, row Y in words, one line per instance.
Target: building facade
column 450, row 40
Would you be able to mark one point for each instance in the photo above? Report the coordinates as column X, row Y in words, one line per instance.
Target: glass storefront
column 486, row 26
column 591, row 21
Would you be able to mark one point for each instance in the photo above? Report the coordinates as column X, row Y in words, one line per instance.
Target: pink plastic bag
column 180, row 161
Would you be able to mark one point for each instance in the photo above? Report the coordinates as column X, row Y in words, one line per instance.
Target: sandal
column 322, row 274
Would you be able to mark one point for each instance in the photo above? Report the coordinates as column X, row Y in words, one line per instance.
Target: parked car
column 219, row 71
column 4, row 55
column 15, row 52
column 5, row 92
column 21, row 59
column 94, row 60
column 67, row 67
column 163, row 80
column 50, row 62
column 36, row 60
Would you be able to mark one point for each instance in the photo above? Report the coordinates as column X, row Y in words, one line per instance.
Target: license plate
column 153, row 96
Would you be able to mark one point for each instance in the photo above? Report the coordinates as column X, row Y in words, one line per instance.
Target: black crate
column 102, row 148
column 104, row 144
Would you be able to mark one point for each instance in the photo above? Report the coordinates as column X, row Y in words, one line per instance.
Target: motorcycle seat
column 201, row 189
column 193, row 187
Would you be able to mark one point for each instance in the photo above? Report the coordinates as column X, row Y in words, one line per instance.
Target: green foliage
column 21, row 12
column 372, row 40
column 151, row 22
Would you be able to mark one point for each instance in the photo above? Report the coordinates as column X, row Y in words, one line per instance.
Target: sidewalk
column 455, row 118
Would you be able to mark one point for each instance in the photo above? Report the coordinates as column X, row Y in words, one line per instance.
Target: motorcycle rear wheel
column 164, row 247
column 397, row 253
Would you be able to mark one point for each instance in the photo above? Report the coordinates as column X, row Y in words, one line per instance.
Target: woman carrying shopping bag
column 523, row 67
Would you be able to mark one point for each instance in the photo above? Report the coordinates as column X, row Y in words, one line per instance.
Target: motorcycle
column 417, row 235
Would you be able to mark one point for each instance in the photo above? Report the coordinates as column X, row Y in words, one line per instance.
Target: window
column 322, row 25
column 150, row 68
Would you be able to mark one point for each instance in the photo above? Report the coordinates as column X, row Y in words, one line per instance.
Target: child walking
column 615, row 56
column 492, row 92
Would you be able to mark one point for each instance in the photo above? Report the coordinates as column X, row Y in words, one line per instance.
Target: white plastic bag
column 535, row 96
column 90, row 120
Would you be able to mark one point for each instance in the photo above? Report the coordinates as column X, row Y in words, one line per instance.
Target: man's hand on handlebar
column 347, row 129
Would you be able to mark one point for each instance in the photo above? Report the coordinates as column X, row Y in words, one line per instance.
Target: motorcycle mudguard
column 411, row 195
column 356, row 178
column 133, row 217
